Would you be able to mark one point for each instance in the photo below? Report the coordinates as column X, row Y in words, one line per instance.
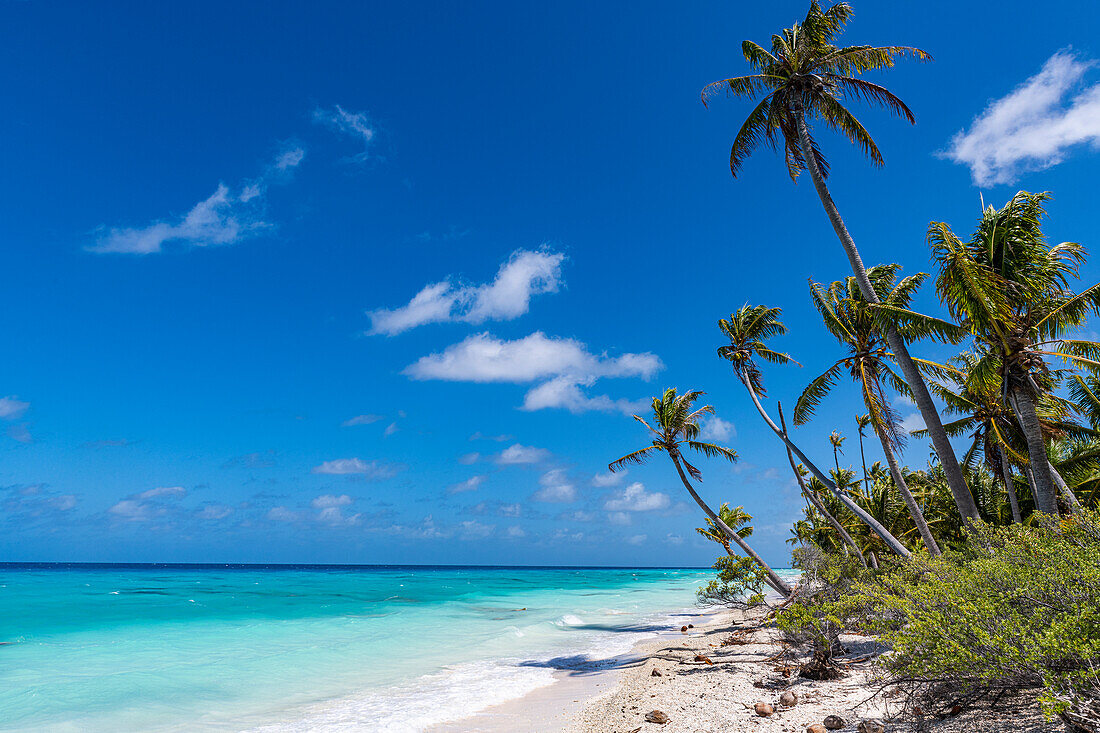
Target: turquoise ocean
column 296, row 648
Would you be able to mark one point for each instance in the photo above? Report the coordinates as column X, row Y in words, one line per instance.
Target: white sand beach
column 747, row 665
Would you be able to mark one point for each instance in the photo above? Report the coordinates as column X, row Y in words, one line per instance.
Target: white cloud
column 715, row 428
column 64, row 503
column 566, row 393
column 556, row 488
column 604, row 480
column 469, row 484
column 469, row 458
column 12, row 407
column 361, row 420
column 354, row 124
column 390, row 430
column 327, row 501
column 20, row 433
column 145, row 506
column 497, row 438
column 635, row 498
column 1032, row 127
column 214, row 511
column 509, row 510
column 515, row 454
column 483, row 358
column 525, row 274
column 913, row 422
column 289, row 158
column 515, row 532
column 674, row 539
column 224, row 217
column 619, row 518
column 282, row 514
column 356, row 466
column 636, row 539
column 578, row 516
column 472, row 530
column 162, row 491
column 135, row 511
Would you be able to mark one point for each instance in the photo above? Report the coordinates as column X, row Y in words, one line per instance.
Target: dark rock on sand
column 763, row 709
column 788, row 699
column 656, row 716
column 816, row 728
column 834, row 722
column 872, row 726
column 656, row 673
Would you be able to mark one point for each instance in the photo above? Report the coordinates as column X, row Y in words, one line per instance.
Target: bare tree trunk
column 955, row 480
column 812, row 497
column 1023, row 404
column 891, row 541
column 907, row 496
column 773, row 578
column 1010, row 487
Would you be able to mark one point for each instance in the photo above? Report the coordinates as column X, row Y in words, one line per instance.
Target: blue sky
column 365, row 282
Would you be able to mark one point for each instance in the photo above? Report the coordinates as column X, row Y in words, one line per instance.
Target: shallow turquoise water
column 159, row 648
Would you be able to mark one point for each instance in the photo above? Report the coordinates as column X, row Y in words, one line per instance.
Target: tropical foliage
column 982, row 568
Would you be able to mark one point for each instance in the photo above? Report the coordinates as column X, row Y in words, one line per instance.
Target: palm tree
column 994, row 429
column 1011, row 290
column 747, row 330
column 804, row 78
column 814, row 499
column 677, row 422
column 849, row 318
column 736, row 519
column 862, row 421
column 835, row 438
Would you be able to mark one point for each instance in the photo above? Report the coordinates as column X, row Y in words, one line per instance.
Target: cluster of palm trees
column 1025, row 390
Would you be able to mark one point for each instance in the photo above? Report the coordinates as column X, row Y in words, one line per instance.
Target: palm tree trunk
column 773, row 578
column 1023, row 404
column 862, row 459
column 814, row 499
column 1010, row 487
column 1067, row 493
column 959, row 490
column 907, row 496
column 891, row 541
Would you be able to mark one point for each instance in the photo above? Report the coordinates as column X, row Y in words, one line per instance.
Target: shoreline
column 663, row 674
column 554, row 708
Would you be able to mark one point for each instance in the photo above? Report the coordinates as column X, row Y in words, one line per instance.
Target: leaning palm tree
column 677, row 421
column 1011, row 290
column 849, row 318
column 748, row 329
column 812, row 497
column 806, row 78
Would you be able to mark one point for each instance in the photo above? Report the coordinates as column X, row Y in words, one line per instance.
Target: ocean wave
column 452, row 694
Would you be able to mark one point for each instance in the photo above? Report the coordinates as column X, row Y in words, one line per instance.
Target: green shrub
column 1018, row 611
column 824, row 606
column 740, row 583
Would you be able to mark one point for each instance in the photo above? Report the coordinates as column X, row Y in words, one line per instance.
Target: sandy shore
column 664, row 674
column 747, row 665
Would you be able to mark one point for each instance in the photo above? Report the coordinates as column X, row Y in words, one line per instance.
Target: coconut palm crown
column 677, row 421
column 747, row 329
column 806, row 75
